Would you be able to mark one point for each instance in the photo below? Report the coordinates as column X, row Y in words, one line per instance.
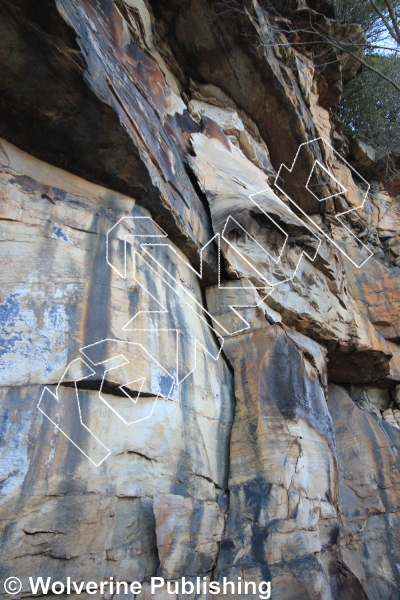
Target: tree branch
column 366, row 65
column 394, row 20
column 340, row 46
column 385, row 20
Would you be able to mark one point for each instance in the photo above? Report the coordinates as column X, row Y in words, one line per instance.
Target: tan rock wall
column 166, row 345
column 59, row 295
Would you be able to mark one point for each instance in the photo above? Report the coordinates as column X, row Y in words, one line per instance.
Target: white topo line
column 143, row 257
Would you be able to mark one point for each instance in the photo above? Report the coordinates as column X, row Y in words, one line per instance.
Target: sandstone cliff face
column 199, row 360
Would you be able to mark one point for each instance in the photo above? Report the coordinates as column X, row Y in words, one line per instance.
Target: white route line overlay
column 92, row 372
column 179, row 290
column 57, row 426
column 339, row 215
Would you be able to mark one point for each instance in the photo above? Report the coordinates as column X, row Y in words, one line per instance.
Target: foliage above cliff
column 370, row 104
column 370, row 107
column 379, row 19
